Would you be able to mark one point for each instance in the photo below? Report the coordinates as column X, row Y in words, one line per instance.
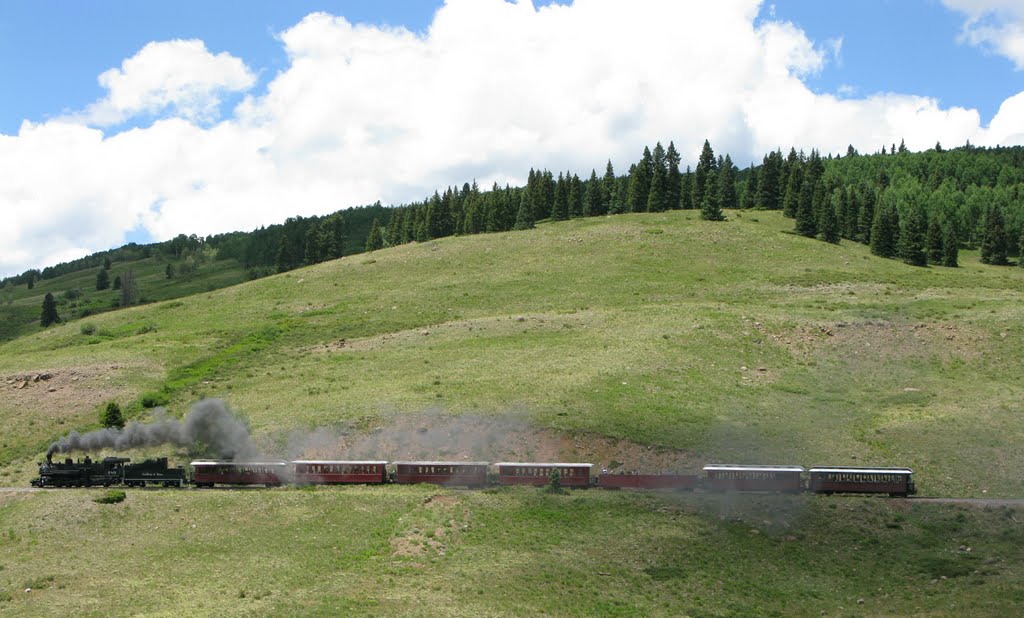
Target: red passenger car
column 648, row 481
column 728, row 477
column 537, row 474
column 309, row 472
column 448, row 473
column 210, row 473
column 835, row 479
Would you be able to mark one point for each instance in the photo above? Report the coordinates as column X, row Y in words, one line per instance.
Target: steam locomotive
column 714, row 477
column 109, row 471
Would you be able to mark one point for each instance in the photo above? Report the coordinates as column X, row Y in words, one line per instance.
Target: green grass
column 420, row 551
column 733, row 342
column 598, row 327
column 77, row 297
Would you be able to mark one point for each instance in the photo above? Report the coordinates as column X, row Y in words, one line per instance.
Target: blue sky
column 907, row 46
column 54, row 50
column 150, row 119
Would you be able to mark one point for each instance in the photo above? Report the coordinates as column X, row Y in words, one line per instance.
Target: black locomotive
column 108, row 471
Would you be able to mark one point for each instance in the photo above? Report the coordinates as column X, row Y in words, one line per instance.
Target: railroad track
column 1010, row 502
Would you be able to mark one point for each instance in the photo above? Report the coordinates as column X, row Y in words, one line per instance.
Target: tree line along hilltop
column 919, row 207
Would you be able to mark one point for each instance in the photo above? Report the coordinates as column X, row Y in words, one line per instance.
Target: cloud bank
column 996, row 25
column 492, row 88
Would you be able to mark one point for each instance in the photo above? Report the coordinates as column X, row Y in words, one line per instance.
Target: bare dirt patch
column 428, row 531
column 883, row 340
column 60, row 393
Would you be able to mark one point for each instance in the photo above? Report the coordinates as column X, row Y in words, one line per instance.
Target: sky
column 137, row 121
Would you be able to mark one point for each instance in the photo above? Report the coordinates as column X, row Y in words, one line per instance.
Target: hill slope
column 733, row 341
column 76, row 294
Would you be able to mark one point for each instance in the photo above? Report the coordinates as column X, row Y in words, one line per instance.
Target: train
column 109, row 471
column 119, row 471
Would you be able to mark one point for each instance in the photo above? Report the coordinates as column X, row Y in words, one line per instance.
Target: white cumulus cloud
column 492, row 88
column 997, row 25
column 178, row 75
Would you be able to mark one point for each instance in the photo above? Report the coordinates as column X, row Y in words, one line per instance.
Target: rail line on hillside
column 982, row 502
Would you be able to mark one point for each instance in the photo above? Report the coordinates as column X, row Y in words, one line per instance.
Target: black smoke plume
column 209, row 424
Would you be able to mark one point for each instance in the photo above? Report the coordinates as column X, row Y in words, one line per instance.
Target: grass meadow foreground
column 422, row 551
column 652, row 342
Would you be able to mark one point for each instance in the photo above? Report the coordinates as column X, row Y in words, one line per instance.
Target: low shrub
column 154, row 399
column 112, row 496
column 88, row 329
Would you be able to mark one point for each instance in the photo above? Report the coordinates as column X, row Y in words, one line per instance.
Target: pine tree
column 828, row 222
column 866, row 216
column 993, row 240
column 434, row 222
column 542, row 209
column 314, row 245
column 950, row 247
column 111, row 416
column 575, row 197
column 473, row 220
column 806, row 223
column 656, row 201
column 673, row 179
column 686, row 190
column 791, row 197
column 103, row 280
column 392, row 231
column 769, row 182
column 593, row 205
column 524, row 218
column 608, row 190
column 852, row 213
column 169, row 271
column 106, row 263
column 705, row 166
column 883, row 178
column 750, row 195
column 640, row 183
column 49, row 315
column 885, row 229
column 117, row 282
column 657, row 195
column 912, row 236
column 727, row 184
column 933, row 240
column 375, row 240
column 283, row 262
column 560, row 209
column 710, row 209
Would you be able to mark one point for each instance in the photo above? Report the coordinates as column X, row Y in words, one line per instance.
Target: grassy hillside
column 735, row 341
column 417, row 551
column 651, row 341
column 76, row 293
